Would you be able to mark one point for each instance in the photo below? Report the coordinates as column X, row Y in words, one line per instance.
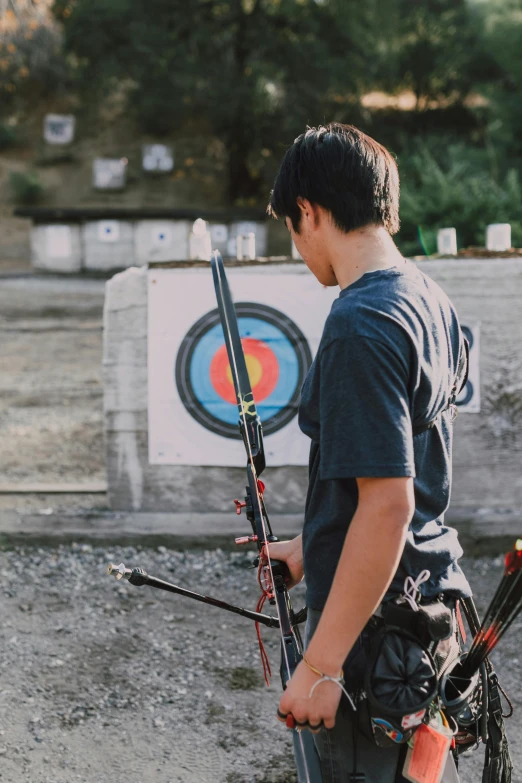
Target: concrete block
column 125, row 389
column 447, row 241
column 161, row 240
column 246, row 227
column 126, row 289
column 108, row 244
column 56, row 247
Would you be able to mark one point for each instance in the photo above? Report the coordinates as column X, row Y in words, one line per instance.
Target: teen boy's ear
column 311, row 213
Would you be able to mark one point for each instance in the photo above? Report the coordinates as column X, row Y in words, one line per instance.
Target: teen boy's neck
column 364, row 250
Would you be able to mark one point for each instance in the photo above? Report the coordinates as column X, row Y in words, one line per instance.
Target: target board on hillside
column 193, row 415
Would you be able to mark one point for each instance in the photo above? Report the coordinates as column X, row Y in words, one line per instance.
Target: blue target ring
column 283, row 354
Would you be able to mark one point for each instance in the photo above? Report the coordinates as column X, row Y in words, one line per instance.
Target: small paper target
column 157, row 157
column 277, row 357
column 59, row 128
column 161, row 235
column 108, row 230
column 219, row 233
column 109, row 174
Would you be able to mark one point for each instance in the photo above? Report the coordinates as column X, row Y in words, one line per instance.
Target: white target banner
column 468, row 400
column 193, row 417
column 192, row 411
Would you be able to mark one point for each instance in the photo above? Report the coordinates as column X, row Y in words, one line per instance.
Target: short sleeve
column 365, row 422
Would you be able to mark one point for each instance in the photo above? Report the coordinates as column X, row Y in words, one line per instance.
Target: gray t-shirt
column 387, row 362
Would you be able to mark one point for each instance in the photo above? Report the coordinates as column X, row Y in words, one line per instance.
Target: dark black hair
column 344, row 171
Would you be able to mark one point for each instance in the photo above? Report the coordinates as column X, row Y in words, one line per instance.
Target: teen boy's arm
column 365, row 433
column 369, row 560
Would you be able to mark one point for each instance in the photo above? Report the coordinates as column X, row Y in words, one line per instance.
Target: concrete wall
column 161, row 240
column 57, row 255
column 103, row 255
column 136, row 243
column 487, row 455
column 488, row 446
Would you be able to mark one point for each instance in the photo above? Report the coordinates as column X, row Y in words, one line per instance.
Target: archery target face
column 277, row 357
column 192, row 414
column 468, row 400
column 161, row 235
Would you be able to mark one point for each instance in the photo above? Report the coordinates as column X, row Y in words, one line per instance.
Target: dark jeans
column 336, row 747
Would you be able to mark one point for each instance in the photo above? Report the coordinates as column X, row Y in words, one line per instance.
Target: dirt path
column 51, row 395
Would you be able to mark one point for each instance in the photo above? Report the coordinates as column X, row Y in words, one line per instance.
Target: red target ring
column 262, row 365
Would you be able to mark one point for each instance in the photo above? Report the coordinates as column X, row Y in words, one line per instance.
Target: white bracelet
column 338, row 681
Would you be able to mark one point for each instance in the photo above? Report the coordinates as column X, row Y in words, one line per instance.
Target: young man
column 379, row 482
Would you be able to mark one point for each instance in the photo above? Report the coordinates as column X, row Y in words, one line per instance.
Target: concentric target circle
column 466, row 395
column 277, row 357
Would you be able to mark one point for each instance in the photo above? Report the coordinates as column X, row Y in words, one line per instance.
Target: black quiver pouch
column 497, row 762
column 400, row 683
column 431, row 623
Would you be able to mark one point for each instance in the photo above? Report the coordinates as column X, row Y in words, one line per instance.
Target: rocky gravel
column 100, row 679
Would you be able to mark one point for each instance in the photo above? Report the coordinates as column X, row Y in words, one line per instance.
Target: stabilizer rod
column 138, row 577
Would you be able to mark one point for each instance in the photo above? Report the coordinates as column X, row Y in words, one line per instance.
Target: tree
column 31, row 62
column 501, row 25
column 247, row 71
column 435, row 49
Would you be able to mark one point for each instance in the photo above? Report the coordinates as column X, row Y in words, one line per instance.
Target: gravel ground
column 100, row 679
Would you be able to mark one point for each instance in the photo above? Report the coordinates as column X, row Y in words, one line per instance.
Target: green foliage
column 251, row 72
column 434, row 48
column 458, row 192
column 501, row 31
column 26, row 187
column 8, row 136
column 32, row 64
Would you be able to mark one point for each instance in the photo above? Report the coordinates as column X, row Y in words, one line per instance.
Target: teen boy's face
column 310, row 242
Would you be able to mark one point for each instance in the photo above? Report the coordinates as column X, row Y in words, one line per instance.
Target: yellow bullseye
column 254, row 368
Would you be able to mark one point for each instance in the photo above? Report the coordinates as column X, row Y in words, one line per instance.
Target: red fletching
column 290, row 721
column 504, row 608
column 261, row 487
column 513, row 562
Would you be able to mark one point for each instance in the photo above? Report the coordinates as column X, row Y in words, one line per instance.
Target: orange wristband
column 320, row 673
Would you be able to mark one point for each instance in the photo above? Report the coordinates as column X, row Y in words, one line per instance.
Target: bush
column 25, row 187
column 459, row 193
column 8, row 136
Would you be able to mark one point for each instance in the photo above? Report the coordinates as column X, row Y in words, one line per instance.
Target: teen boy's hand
column 291, row 553
column 313, row 712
